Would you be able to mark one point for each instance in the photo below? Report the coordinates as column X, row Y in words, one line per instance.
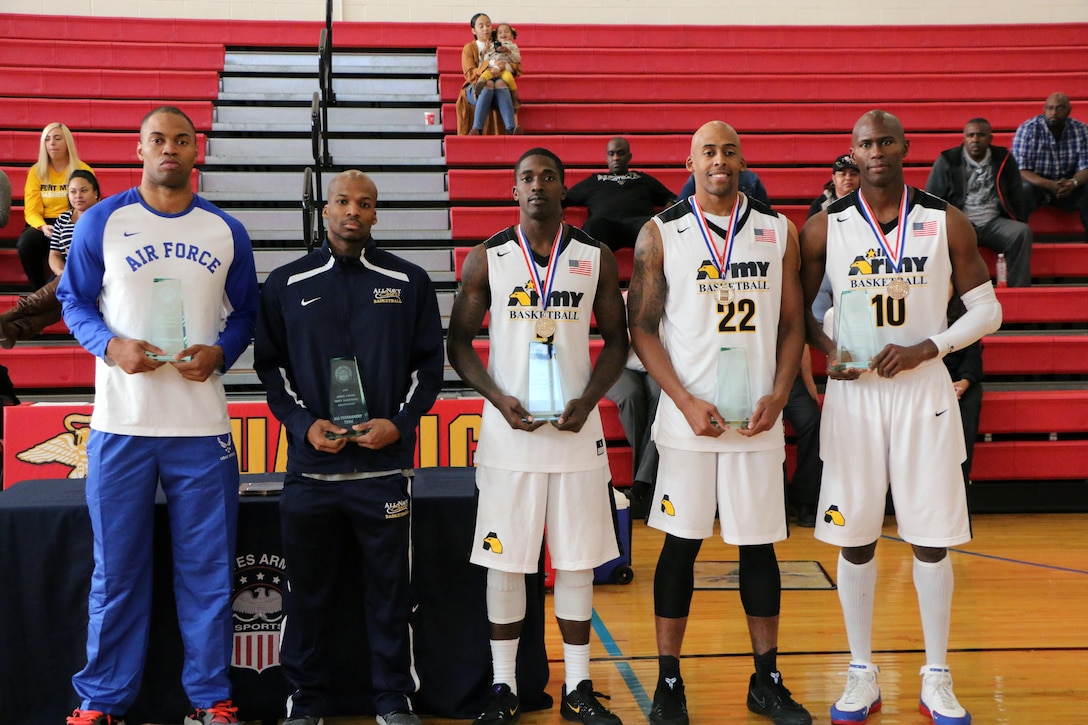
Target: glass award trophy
column 731, row 395
column 545, row 400
column 855, row 333
column 167, row 319
column 347, row 404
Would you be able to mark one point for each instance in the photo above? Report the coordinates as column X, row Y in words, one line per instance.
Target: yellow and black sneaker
column 583, row 706
column 503, row 708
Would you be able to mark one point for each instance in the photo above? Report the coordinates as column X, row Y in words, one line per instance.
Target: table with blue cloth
column 45, row 568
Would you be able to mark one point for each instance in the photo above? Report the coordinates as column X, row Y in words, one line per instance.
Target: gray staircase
column 260, row 144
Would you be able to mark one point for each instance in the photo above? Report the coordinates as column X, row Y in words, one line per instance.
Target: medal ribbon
column 721, row 260
column 543, row 290
column 895, row 256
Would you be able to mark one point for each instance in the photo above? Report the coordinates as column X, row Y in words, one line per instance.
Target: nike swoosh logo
column 842, row 219
column 502, row 254
column 308, row 302
column 131, row 234
column 942, row 412
column 761, row 701
column 681, row 231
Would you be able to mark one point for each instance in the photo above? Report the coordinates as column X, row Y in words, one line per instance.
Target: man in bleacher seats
column 727, row 284
column 844, row 179
column 983, row 181
column 158, row 256
column 897, row 417
column 619, row 201
column 541, row 463
column 1052, row 150
column 354, row 323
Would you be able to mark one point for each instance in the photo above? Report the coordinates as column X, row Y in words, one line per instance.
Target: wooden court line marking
column 633, row 685
column 1009, row 560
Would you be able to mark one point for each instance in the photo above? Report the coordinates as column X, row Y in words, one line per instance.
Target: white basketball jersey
column 515, row 310
column 856, row 261
column 695, row 326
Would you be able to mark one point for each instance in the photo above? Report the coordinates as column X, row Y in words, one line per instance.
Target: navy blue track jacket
column 379, row 309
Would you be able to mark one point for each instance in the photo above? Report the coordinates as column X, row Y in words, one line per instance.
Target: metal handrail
column 307, row 209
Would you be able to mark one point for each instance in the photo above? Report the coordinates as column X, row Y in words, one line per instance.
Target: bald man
column 352, row 318
column 619, row 201
column 729, row 280
column 1052, row 151
column 901, row 412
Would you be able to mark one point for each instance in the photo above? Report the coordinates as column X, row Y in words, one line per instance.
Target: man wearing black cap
column 844, row 179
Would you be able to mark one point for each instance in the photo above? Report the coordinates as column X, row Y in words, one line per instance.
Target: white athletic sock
column 934, row 584
column 576, row 664
column 857, row 586
column 504, row 660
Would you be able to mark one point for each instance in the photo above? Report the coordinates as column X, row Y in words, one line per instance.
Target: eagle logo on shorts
column 666, row 506
column 834, row 517
column 492, row 543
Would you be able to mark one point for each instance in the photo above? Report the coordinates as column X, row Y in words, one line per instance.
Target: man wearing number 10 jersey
column 896, row 423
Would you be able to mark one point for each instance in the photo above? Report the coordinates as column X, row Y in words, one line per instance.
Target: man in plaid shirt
column 1052, row 151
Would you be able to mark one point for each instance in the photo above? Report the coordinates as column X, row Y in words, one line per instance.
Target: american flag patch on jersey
column 580, row 266
column 766, row 235
column 924, row 229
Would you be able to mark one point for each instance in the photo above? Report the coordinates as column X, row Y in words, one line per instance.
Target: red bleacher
column 612, row 61
column 791, row 119
column 86, row 114
column 66, row 53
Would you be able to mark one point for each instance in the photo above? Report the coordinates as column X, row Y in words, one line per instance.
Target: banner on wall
column 49, row 440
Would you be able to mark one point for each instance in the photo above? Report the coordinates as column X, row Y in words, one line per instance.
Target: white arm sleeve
column 983, row 316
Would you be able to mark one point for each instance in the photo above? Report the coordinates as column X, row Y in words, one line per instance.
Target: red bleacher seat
column 59, row 53
column 85, row 114
column 81, row 83
column 49, row 367
column 876, row 88
column 674, row 60
column 1043, row 304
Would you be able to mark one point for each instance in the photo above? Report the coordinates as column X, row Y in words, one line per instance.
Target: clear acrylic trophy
column 347, row 404
column 855, row 333
column 545, row 399
column 167, row 319
column 732, row 397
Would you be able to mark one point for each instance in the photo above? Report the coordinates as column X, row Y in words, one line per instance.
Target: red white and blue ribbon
column 893, row 254
column 543, row 287
column 721, row 259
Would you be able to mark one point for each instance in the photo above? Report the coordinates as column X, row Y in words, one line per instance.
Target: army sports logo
column 257, row 606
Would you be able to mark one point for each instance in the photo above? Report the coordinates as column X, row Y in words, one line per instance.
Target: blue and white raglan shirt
column 119, row 247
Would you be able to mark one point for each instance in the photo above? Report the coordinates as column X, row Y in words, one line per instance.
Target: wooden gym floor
column 1018, row 648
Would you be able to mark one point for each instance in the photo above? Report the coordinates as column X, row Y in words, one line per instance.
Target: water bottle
column 1002, row 271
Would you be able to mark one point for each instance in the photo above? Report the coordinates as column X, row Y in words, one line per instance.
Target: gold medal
column 545, row 328
column 724, row 294
column 898, row 288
